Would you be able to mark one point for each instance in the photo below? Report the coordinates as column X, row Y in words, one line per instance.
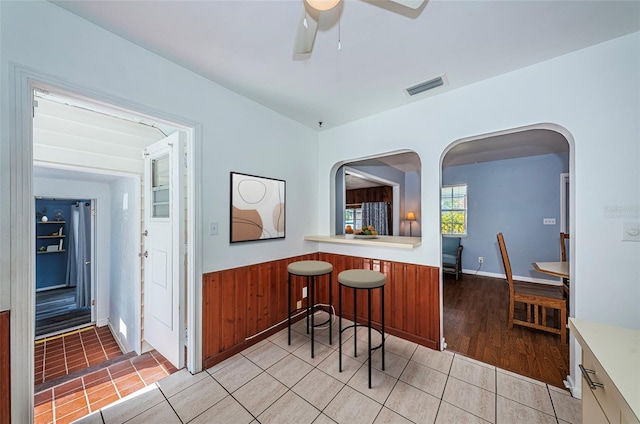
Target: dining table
column 557, row 269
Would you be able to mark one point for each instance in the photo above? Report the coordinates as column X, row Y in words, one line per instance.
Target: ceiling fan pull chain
column 304, row 21
column 339, row 33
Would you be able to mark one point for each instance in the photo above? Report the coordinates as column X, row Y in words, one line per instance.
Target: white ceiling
column 247, row 46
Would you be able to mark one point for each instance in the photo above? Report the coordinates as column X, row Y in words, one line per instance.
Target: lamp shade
column 322, row 5
column 411, row 216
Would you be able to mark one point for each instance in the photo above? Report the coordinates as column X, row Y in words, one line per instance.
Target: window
column 353, row 217
column 160, row 202
column 453, row 209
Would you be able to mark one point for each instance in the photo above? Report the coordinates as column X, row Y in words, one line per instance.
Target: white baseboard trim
column 146, row 347
column 114, row 333
column 515, row 277
column 569, row 383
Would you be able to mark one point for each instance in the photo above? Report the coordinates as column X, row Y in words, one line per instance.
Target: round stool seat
column 309, row 268
column 362, row 279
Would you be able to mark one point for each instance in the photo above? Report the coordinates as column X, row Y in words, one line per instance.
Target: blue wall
column 51, row 268
column 511, row 196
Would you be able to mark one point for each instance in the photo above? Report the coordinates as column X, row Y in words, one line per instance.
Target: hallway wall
column 79, row 189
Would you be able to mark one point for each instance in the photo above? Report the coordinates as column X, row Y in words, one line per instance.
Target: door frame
column 565, row 185
column 94, row 246
column 22, row 82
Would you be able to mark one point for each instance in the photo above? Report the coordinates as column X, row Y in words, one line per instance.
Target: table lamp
column 411, row 216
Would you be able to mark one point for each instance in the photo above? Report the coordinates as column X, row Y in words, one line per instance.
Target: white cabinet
column 610, row 372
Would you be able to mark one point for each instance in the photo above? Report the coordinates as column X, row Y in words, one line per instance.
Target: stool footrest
column 364, row 326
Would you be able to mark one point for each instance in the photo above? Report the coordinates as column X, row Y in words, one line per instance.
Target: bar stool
column 361, row 279
column 312, row 270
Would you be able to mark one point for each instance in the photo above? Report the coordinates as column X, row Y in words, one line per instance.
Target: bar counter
column 397, row 242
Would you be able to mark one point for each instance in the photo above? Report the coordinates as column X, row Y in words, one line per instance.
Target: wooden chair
column 563, row 246
column 563, row 257
column 536, row 298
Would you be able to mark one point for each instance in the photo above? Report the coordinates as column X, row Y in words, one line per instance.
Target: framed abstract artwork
column 257, row 208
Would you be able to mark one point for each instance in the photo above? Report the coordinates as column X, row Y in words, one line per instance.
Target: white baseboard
column 115, row 334
column 515, row 277
column 571, row 385
column 146, row 347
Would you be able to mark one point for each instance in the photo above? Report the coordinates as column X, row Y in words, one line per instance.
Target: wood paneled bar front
column 242, row 306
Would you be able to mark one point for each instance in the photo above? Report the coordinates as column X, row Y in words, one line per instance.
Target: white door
column 164, row 244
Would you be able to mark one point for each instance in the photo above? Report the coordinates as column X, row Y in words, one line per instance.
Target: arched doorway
column 512, row 185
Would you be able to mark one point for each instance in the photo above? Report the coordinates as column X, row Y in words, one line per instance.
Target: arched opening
column 514, row 183
column 390, row 182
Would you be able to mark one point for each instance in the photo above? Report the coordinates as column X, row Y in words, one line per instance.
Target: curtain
column 79, row 259
column 376, row 214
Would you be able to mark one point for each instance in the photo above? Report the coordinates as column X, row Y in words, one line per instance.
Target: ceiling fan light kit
column 322, row 5
column 308, row 24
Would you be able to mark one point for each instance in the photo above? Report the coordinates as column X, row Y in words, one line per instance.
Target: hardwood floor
column 56, row 311
column 475, row 325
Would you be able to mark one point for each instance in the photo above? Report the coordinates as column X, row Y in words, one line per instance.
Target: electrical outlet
column 480, row 260
column 299, row 305
column 304, row 292
column 548, row 221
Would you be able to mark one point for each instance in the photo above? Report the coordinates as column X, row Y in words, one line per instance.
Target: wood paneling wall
column 5, row 369
column 242, row 302
column 372, row 194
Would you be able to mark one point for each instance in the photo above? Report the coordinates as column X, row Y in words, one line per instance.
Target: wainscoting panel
column 5, row 369
column 242, row 306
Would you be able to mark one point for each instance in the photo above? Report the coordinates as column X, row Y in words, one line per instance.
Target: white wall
column 412, row 203
column 600, row 113
column 232, row 133
column 74, row 189
column 124, row 301
column 236, row 134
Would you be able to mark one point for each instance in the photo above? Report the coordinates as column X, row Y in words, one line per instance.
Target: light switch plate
column 213, row 228
column 631, row 231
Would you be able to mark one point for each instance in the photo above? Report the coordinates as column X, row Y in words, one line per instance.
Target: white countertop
column 617, row 349
column 381, row 241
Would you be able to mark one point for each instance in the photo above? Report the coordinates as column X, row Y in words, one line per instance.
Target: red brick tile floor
column 81, row 393
column 67, row 353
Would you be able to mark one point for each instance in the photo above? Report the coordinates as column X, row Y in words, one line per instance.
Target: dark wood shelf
column 51, row 251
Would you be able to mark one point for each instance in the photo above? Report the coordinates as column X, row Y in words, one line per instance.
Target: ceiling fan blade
column 413, row 4
column 305, row 34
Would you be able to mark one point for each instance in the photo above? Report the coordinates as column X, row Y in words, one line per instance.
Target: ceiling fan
column 308, row 25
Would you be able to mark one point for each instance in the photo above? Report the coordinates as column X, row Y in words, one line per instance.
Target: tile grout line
column 169, row 403
column 106, row 356
column 64, row 355
column 84, row 350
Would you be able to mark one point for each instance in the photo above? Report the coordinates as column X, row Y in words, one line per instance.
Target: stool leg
column 369, row 328
column 312, row 309
column 355, row 323
column 382, row 328
column 289, row 308
column 340, row 328
column 307, row 311
column 330, row 310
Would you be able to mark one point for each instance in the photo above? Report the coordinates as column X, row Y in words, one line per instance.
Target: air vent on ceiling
column 424, row 86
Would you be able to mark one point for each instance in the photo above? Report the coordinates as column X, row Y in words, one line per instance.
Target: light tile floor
column 272, row 382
